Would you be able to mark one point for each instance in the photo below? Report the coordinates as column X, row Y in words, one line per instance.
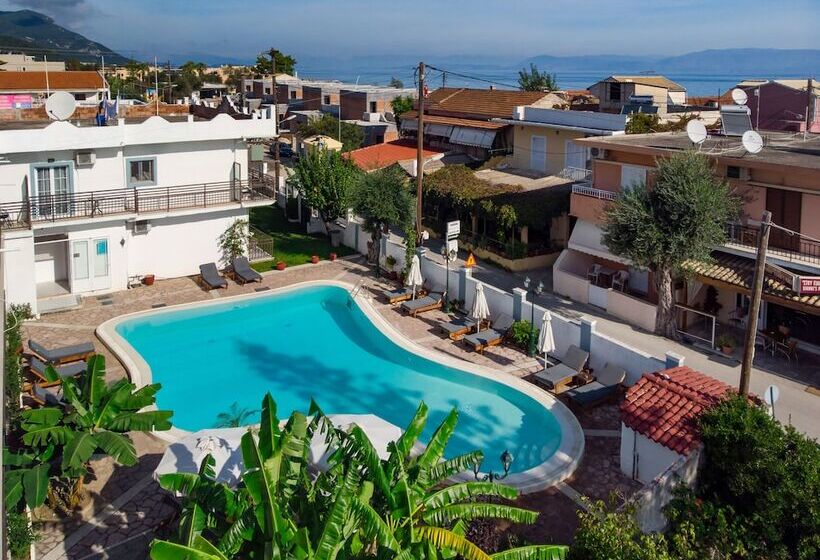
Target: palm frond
column 118, row 446
column 534, row 552
column 467, row 491
column 442, row 539
column 445, row 515
column 454, row 466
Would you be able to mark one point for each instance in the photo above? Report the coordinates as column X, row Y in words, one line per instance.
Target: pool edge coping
column 557, row 468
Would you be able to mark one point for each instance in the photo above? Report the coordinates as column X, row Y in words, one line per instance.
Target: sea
column 503, row 76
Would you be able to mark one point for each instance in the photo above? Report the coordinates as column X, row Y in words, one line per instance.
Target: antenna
column 739, row 96
column 60, row 106
column 752, row 141
column 696, row 131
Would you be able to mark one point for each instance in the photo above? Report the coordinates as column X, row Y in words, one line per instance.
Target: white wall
column 18, row 268
column 642, row 458
column 651, row 500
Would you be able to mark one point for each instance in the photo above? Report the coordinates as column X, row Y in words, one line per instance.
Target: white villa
column 91, row 209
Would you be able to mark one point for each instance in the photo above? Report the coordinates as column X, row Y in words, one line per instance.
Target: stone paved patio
column 128, row 508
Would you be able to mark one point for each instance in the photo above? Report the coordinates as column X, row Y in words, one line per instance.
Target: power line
column 475, row 78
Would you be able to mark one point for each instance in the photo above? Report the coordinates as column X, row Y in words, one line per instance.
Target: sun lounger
column 403, row 293
column 242, row 271
column 606, row 385
column 492, row 336
column 210, row 277
column 458, row 327
column 38, row 369
column 573, row 362
column 64, row 354
column 44, row 397
column 433, row 300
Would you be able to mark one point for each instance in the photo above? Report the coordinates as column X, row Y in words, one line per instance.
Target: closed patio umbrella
column 546, row 342
column 380, row 432
column 480, row 311
column 414, row 279
column 186, row 454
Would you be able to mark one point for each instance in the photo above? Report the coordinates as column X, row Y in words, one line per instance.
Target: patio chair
column 559, row 375
column 210, row 277
column 593, row 273
column 619, row 281
column 403, row 293
column 788, row 348
column 242, row 271
column 457, row 327
column 433, row 300
column 63, row 354
column 606, row 385
column 492, row 336
column 38, row 368
column 43, row 397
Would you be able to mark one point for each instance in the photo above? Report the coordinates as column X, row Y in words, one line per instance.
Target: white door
column 538, row 153
column 576, row 156
column 90, row 266
column 53, row 191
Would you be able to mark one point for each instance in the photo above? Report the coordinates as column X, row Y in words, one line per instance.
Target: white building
column 86, row 209
column 24, row 63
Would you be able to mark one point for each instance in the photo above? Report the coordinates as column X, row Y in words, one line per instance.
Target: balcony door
column 53, row 190
column 785, row 207
column 90, row 265
column 538, row 153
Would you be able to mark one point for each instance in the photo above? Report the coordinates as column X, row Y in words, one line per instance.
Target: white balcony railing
column 594, row 193
column 577, row 174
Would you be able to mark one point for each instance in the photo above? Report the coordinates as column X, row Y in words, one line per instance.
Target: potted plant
column 281, row 265
column 726, row 344
column 314, row 259
column 148, row 279
column 389, row 263
column 333, row 256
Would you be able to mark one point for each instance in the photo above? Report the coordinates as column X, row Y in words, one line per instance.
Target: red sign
column 809, row 285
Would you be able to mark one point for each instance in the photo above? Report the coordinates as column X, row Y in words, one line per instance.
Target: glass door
column 102, row 269
column 53, row 184
column 90, row 265
column 80, row 273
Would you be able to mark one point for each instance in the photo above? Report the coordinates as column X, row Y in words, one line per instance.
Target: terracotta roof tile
column 36, row 81
column 454, row 121
column 664, row 406
column 384, row 155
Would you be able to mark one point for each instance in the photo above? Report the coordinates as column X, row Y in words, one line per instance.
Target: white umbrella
column 379, row 431
column 546, row 342
column 186, row 454
column 480, row 311
column 414, row 278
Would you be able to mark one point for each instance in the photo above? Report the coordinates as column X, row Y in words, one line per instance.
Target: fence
column 260, row 245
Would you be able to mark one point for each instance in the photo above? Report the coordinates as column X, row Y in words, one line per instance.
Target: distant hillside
column 36, row 34
column 747, row 62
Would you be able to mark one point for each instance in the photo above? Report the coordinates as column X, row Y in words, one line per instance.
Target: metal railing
column 594, row 193
column 511, row 249
column 577, row 174
column 781, row 244
column 260, row 245
column 139, row 200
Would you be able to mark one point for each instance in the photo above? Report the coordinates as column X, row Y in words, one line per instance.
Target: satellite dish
column 696, row 131
column 739, row 96
column 752, row 141
column 60, row 106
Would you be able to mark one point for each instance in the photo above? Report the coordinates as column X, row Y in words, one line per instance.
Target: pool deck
column 128, row 509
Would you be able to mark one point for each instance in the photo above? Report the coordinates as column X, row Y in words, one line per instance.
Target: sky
column 239, row 29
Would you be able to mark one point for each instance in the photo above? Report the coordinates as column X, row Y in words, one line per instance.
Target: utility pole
column 276, row 120
column 420, row 155
column 170, row 92
column 754, row 308
column 3, row 401
column 809, row 116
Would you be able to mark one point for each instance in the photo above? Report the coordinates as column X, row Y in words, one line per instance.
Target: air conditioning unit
column 598, row 153
column 141, row 227
column 737, row 172
column 85, row 158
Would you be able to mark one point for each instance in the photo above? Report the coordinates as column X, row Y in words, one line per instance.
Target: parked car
column 285, row 150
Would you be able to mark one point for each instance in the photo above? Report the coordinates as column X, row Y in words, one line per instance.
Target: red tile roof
column 384, row 155
column 664, row 406
column 36, row 81
column 453, row 121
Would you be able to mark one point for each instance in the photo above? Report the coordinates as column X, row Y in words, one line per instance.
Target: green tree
column 402, row 104
column 233, row 242
column 352, row 136
column 285, row 64
column 98, row 419
column 679, row 219
column 535, row 80
column 383, row 199
column 395, row 83
column 234, row 417
column 325, row 179
column 642, row 123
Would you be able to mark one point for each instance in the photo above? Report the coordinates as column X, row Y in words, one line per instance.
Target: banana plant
column 27, row 478
column 96, row 416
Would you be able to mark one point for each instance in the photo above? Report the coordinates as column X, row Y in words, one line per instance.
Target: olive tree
column 678, row 219
column 325, row 179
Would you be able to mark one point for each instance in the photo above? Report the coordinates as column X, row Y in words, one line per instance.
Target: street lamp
column 506, row 462
column 449, row 255
column 534, row 291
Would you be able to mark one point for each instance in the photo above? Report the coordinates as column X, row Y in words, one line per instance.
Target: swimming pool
column 316, row 342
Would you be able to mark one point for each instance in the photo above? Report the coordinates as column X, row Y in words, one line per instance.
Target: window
column 247, row 87
column 53, row 189
column 632, row 175
column 373, row 108
column 267, row 91
column 733, row 172
column 142, row 172
column 293, row 94
column 614, row 91
column 326, row 100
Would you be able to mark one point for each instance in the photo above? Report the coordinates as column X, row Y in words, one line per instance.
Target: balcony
column 782, row 245
column 133, row 201
column 589, row 204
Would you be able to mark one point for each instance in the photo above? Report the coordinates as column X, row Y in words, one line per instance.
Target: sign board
column 453, row 229
column 470, row 262
column 452, row 246
column 808, row 285
column 780, row 273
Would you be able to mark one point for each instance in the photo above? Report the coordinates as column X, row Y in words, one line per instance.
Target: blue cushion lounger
column 492, row 336
column 606, row 385
column 433, row 300
column 64, row 354
column 400, row 294
column 458, row 326
column 38, row 368
column 210, row 276
column 573, row 362
column 43, row 397
column 243, row 272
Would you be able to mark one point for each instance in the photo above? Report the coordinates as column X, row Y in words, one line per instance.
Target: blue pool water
column 315, row 343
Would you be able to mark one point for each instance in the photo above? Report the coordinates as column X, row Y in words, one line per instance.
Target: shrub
column 15, row 316
column 20, row 535
column 520, row 333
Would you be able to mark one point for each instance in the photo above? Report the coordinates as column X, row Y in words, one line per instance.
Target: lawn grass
column 291, row 244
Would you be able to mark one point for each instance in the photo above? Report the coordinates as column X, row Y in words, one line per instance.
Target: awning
column 434, row 129
column 586, row 238
column 472, row 137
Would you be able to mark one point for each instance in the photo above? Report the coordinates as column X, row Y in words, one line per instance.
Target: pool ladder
column 357, row 288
